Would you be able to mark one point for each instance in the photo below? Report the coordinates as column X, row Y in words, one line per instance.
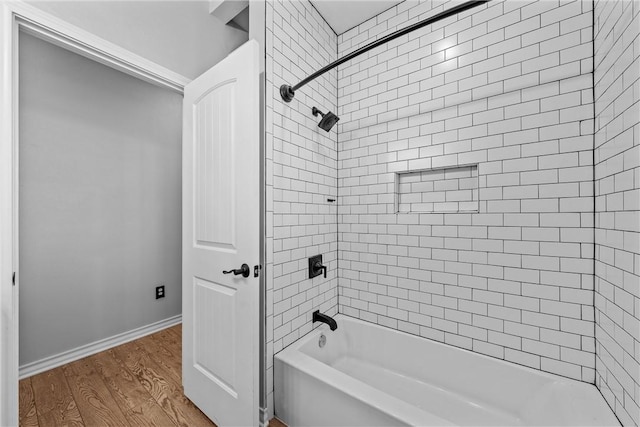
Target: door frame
column 14, row 17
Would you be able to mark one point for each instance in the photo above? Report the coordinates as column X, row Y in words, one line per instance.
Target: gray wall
column 100, row 210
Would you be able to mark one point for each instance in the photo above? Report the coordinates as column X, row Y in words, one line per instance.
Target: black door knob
column 244, row 270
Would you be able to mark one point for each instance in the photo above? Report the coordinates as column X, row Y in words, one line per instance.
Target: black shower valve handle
column 318, row 266
column 315, row 267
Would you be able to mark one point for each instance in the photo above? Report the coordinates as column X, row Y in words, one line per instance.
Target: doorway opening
column 99, row 228
column 99, row 202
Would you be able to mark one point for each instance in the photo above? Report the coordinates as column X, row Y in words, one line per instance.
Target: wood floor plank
column 165, row 390
column 27, row 415
column 54, row 402
column 137, row 384
column 177, row 331
column 165, row 352
column 95, row 402
column 132, row 398
column 274, row 422
column 171, row 338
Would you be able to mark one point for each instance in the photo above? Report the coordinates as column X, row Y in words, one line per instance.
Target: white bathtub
column 368, row 375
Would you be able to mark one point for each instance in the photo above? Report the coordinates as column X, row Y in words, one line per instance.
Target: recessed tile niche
column 452, row 189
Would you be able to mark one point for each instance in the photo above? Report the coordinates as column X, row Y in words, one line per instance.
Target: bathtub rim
column 325, row 329
column 293, row 356
column 366, row 394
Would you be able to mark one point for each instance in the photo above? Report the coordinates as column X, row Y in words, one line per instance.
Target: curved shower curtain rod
column 287, row 92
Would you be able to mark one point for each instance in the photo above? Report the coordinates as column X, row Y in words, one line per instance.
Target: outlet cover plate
column 159, row 291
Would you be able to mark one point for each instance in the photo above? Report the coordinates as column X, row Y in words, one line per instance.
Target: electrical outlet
column 160, row 291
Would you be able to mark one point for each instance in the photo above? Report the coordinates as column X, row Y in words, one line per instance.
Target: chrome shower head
column 328, row 119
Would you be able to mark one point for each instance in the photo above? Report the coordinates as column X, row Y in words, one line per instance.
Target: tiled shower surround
column 617, row 177
column 493, row 110
column 507, row 87
column 301, row 175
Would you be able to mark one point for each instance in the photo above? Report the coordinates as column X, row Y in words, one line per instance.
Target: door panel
column 221, row 215
column 214, row 304
column 214, row 162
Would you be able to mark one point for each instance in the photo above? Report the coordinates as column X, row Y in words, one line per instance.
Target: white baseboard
column 78, row 353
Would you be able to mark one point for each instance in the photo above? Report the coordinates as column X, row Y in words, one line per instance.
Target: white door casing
column 221, row 214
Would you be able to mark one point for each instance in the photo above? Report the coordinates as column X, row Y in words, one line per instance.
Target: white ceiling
column 343, row 15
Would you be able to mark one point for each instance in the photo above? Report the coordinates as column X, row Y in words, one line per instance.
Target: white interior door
column 221, row 214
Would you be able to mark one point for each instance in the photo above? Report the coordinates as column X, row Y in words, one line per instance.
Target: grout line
column 593, row 161
column 337, row 203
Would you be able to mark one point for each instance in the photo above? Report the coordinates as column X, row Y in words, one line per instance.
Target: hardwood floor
column 136, row 384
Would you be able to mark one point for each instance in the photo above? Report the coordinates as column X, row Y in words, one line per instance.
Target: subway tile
column 522, row 73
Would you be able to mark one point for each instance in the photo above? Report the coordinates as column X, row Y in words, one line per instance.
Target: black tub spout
column 319, row 317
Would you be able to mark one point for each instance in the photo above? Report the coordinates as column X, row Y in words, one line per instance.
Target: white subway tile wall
column 506, row 86
column 301, row 174
column 617, row 190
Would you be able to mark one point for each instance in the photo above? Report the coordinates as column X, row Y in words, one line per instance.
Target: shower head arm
column 315, row 112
